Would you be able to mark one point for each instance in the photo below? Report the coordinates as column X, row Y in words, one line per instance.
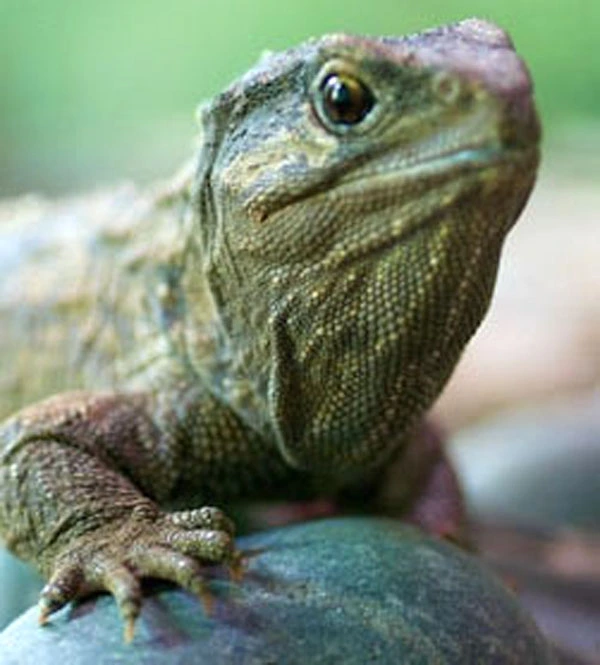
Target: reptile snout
column 504, row 74
column 520, row 126
column 481, row 52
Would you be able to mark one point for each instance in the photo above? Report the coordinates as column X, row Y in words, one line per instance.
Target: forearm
column 51, row 494
column 81, row 477
column 76, row 462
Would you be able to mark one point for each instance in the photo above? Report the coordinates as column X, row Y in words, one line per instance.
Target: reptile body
column 272, row 324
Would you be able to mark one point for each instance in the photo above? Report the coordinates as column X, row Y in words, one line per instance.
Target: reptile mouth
column 428, row 171
column 414, row 214
column 447, row 165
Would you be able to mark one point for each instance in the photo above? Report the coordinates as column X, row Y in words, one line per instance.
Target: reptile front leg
column 434, row 502
column 416, row 484
column 81, row 478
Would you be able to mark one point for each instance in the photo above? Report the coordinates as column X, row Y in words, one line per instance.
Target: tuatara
column 273, row 323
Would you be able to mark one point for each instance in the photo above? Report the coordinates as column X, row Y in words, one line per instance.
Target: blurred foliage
column 96, row 90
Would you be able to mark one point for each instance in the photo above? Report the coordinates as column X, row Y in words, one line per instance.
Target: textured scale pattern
column 273, row 323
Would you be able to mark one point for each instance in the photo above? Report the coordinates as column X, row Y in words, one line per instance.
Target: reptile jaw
column 412, row 184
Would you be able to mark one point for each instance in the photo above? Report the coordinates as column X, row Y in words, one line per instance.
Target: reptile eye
column 345, row 100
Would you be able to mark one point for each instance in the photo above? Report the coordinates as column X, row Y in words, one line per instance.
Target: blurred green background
column 97, row 91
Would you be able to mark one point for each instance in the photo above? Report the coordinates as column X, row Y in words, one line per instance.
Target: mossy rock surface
column 352, row 591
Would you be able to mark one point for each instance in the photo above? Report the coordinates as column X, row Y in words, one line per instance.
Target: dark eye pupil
column 346, row 100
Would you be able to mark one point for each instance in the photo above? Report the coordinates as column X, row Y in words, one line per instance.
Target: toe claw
column 236, row 567
column 62, row 588
column 45, row 612
column 48, row 604
column 126, row 589
column 207, row 600
column 129, row 630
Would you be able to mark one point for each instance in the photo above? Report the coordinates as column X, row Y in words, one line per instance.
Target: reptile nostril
column 446, row 88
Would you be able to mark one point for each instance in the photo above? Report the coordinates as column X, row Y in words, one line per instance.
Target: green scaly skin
column 348, row 260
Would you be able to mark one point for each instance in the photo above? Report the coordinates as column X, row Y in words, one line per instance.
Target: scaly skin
column 342, row 228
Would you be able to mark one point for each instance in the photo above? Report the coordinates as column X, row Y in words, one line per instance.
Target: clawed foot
column 167, row 546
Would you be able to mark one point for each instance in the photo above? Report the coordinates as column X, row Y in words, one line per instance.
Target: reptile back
column 80, row 289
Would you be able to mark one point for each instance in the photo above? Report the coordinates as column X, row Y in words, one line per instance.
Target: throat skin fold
column 350, row 321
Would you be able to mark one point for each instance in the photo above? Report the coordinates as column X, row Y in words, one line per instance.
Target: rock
column 20, row 587
column 351, row 590
column 539, row 466
column 532, row 484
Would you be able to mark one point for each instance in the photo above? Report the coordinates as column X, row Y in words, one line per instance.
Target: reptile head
column 353, row 196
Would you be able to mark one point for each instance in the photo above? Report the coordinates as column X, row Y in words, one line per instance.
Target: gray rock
column 20, row 587
column 335, row 591
column 539, row 466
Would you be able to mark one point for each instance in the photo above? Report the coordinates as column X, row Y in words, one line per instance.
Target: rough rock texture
column 334, row 591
